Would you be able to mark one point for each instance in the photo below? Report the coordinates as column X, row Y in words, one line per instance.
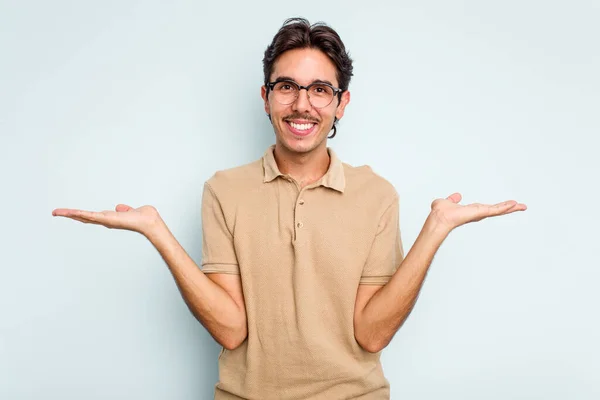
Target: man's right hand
column 142, row 220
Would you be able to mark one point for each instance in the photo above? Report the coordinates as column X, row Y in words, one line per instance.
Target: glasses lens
column 320, row 95
column 285, row 92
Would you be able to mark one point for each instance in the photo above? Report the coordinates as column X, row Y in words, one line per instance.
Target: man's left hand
column 450, row 214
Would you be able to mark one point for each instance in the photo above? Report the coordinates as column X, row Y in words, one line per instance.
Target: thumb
column 455, row 197
column 123, row 208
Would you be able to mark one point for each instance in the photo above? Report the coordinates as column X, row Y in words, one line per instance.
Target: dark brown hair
column 298, row 33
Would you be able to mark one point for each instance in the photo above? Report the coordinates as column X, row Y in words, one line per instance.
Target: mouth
column 301, row 128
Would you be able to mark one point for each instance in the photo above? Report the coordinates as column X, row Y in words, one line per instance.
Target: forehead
column 305, row 66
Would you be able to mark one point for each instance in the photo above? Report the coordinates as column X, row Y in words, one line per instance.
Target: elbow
column 232, row 343
column 235, row 338
column 372, row 347
column 371, row 344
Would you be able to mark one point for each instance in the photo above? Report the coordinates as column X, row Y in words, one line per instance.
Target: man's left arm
column 381, row 310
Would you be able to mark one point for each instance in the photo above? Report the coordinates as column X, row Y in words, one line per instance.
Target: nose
column 302, row 102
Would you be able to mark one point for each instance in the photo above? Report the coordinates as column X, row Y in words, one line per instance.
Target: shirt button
column 301, row 202
column 299, row 224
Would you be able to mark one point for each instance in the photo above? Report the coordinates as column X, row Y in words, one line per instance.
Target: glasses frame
column 336, row 91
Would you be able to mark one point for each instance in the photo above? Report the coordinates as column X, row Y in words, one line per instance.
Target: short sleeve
column 218, row 252
column 386, row 253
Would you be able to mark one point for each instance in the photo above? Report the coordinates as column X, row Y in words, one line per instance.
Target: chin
column 304, row 145
column 299, row 144
column 300, row 149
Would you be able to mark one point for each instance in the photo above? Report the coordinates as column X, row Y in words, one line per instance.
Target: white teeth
column 301, row 127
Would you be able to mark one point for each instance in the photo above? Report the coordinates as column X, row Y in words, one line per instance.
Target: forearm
column 209, row 303
column 387, row 310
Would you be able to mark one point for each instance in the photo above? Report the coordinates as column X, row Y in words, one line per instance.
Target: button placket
column 298, row 215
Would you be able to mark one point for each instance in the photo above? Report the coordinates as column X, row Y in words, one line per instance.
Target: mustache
column 301, row 116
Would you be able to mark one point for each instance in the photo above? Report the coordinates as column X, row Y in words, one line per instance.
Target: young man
column 303, row 280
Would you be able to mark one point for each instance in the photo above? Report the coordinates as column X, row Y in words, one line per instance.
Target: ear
column 339, row 112
column 263, row 94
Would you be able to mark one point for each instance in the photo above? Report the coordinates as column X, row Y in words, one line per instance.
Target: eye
column 321, row 90
column 285, row 87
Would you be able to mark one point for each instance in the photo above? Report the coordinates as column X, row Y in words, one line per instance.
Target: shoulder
column 365, row 181
column 234, row 182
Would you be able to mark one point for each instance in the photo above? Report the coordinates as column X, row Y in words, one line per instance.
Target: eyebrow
column 287, row 78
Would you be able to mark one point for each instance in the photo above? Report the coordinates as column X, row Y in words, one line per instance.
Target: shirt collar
column 334, row 177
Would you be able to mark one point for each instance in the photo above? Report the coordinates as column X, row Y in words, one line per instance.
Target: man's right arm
column 216, row 300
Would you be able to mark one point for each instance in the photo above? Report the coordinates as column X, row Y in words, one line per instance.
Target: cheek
column 277, row 109
column 329, row 114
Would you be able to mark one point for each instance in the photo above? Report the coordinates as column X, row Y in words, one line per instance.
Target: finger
column 123, row 208
column 506, row 207
column 85, row 221
column 455, row 197
column 516, row 207
column 480, row 211
column 501, row 208
column 66, row 212
column 71, row 215
column 87, row 216
column 61, row 212
column 92, row 216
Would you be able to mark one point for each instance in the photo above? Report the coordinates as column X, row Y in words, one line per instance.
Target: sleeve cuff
column 214, row 268
column 375, row 280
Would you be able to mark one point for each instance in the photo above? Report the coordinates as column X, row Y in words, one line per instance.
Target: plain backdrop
column 141, row 101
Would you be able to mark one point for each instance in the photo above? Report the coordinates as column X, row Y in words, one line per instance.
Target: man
column 303, row 280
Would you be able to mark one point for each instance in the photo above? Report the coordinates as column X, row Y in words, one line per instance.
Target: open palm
column 124, row 217
column 453, row 215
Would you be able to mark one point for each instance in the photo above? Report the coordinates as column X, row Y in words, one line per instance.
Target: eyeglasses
column 320, row 94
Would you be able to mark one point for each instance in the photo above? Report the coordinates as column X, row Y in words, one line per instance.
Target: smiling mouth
column 301, row 127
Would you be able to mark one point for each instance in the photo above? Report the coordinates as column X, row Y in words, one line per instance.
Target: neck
column 304, row 168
